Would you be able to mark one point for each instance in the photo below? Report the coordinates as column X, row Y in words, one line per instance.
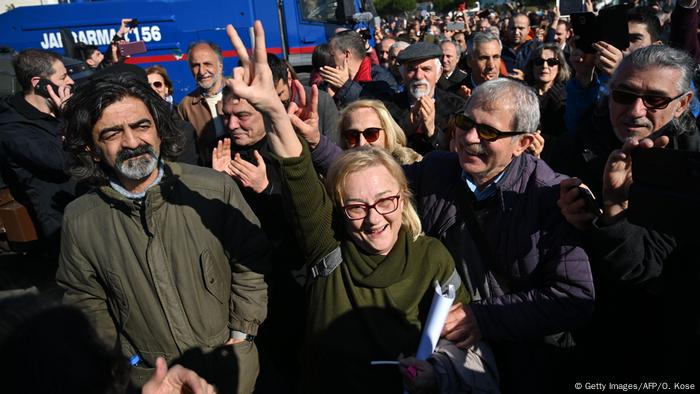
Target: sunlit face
column 484, row 25
column 383, row 51
column 561, row 35
column 485, row 61
column 158, row 84
column 95, row 59
column 421, row 77
column 639, row 36
column 449, row 57
column 482, row 159
column 545, row 73
column 636, row 120
column 460, row 40
column 245, row 125
column 206, row 68
column 60, row 75
column 362, row 119
column 376, row 233
column 127, row 139
column 520, row 29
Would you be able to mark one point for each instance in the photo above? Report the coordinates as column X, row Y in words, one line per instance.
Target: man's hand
column 59, row 98
column 607, row 57
column 221, row 156
column 175, row 380
column 422, row 116
column 461, row 326
column 124, row 29
column 418, row 375
column 573, row 204
column 465, row 92
column 248, row 174
column 305, row 119
column 617, row 176
column 537, row 144
column 336, row 76
column 517, row 74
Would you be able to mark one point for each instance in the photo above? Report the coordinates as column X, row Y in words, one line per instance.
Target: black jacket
column 34, row 164
column 454, row 82
column 446, row 104
column 380, row 87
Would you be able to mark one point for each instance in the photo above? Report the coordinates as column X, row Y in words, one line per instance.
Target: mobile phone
column 585, row 30
column 134, row 22
column 591, row 203
column 131, row 48
column 453, row 26
column 42, row 90
column 484, row 13
column 665, row 192
column 611, row 30
column 568, row 7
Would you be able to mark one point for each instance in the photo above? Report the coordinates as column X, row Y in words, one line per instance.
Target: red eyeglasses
column 352, row 136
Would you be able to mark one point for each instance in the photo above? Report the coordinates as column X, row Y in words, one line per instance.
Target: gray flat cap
column 419, row 51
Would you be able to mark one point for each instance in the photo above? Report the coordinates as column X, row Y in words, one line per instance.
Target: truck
column 293, row 28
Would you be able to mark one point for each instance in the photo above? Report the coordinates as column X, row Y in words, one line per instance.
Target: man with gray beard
column 415, row 109
column 164, row 258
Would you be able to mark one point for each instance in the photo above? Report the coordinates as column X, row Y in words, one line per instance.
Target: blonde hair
column 366, row 157
column 395, row 137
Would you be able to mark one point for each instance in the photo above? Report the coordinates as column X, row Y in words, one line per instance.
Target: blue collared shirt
column 488, row 191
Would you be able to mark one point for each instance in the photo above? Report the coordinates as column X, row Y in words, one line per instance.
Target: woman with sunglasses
column 371, row 273
column 160, row 82
column 547, row 71
column 368, row 122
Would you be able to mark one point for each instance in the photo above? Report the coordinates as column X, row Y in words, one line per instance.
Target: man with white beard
column 414, row 109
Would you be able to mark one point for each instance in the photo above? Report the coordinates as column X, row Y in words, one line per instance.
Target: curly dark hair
column 85, row 108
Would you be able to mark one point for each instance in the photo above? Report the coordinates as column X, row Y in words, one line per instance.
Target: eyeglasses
column 650, row 101
column 352, row 136
column 485, row 132
column 551, row 62
column 157, row 84
column 383, row 206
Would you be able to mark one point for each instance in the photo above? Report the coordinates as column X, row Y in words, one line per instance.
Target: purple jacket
column 537, row 280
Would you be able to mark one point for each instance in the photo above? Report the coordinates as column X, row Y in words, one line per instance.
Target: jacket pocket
column 214, row 280
column 119, row 299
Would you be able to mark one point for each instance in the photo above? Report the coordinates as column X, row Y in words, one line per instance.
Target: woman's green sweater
column 370, row 307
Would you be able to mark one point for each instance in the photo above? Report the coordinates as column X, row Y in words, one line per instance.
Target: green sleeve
column 448, row 271
column 307, row 205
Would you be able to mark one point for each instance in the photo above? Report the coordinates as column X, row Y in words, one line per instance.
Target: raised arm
column 252, row 81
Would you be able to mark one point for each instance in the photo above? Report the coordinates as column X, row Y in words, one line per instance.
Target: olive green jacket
column 175, row 270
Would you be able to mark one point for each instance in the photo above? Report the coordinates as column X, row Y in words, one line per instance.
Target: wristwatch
column 240, row 335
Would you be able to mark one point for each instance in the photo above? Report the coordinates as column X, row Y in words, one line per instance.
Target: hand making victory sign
column 252, row 81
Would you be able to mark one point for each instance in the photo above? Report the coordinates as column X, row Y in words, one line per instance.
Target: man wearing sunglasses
column 494, row 207
column 639, row 272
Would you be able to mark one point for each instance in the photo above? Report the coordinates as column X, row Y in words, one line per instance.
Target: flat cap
column 419, row 51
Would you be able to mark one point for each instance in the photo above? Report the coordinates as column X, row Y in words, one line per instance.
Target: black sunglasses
column 650, row 101
column 485, row 132
column 551, row 62
column 157, row 84
column 352, row 136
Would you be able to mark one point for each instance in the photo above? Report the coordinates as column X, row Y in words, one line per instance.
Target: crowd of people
column 264, row 235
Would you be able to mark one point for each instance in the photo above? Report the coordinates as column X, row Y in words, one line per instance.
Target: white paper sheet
column 439, row 309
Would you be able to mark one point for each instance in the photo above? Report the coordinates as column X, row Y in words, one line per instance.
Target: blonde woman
column 371, row 271
column 368, row 122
